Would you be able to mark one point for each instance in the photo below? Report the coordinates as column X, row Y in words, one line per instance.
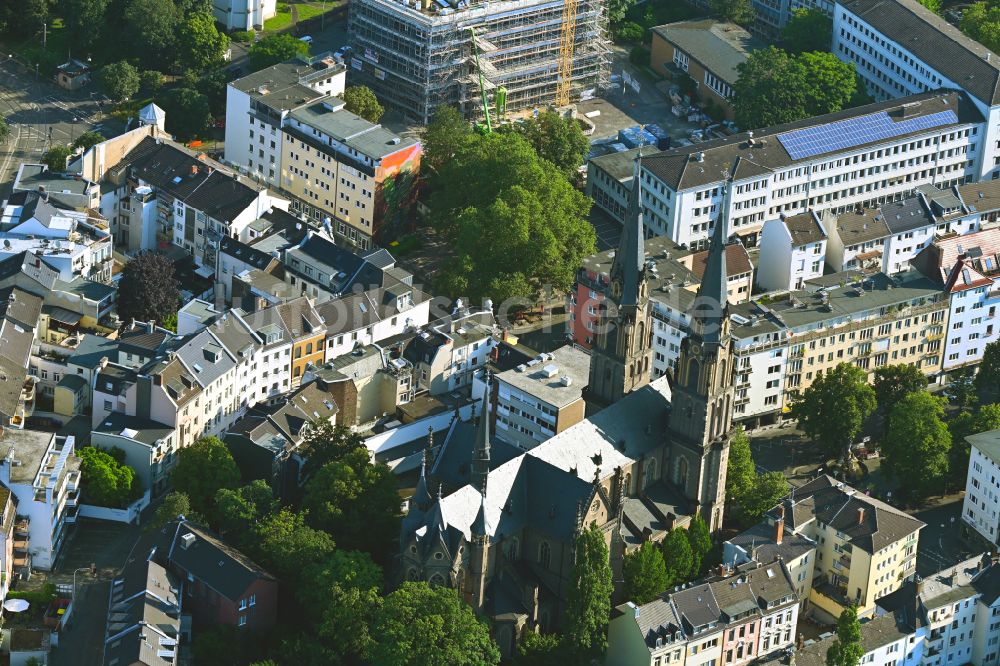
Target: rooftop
column 719, row 47
column 544, row 379
column 285, row 85
column 353, row 131
column 988, row 444
column 621, row 166
column 142, row 430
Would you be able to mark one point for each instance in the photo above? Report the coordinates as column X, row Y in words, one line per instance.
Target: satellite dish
column 16, row 605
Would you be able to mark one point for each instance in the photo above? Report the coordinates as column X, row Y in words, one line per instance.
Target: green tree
column 202, row 469
column 556, row 139
column 981, row 21
column 961, row 426
column 740, row 12
column 356, row 501
column 741, row 470
column 892, row 383
column 701, row 544
column 361, row 100
column 221, row 645
column 151, row 28
column 26, row 17
column 846, row 649
column 988, row 378
column 120, row 80
column 188, row 113
column 174, row 504
column 147, row 290
column 274, row 49
column 106, row 481
column 807, row 30
column 616, row 10
column 287, row 547
column 963, row 388
column 151, row 81
column 516, row 223
column 325, row 443
column 239, row 510
column 645, row 574
column 84, row 19
column 200, row 45
column 767, row 491
column 4, row 130
column 541, row 650
column 917, row 443
column 834, row 407
column 444, row 136
column 678, row 556
column 933, row 5
column 588, row 601
column 629, row 32
column 420, row 625
column 55, row 158
column 775, row 87
column 88, row 140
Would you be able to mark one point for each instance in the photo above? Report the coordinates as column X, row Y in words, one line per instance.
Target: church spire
column 629, row 266
column 481, row 446
column 713, row 299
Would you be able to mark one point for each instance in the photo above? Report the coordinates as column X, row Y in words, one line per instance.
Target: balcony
column 73, row 498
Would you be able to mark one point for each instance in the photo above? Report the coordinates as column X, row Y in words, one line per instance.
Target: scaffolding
column 417, row 55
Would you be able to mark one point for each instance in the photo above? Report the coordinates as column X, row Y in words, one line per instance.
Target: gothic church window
column 437, row 580
column 544, row 554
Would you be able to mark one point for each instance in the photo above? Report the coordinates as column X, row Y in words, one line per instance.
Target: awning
column 62, row 315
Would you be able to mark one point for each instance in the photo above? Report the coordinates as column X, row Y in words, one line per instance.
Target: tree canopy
column 88, row 140
column 200, row 45
column 834, row 407
column 516, row 223
column 174, row 504
column 420, row 625
column 202, row 470
column 740, row 12
column 105, row 481
column 362, row 101
column 846, row 649
column 147, row 290
column 775, row 87
column 892, row 383
column 981, row 21
column 238, row 511
column 120, row 80
column 700, row 539
column 961, row 426
column 55, row 158
column 444, row 136
column 151, row 29
column 274, row 49
column 356, row 501
column 988, row 378
column 917, row 443
column 750, row 494
column 645, row 574
column 556, row 139
column 284, row 544
column 678, row 557
column 741, row 470
column 807, row 30
column 188, row 112
column 588, row 601
column 325, row 443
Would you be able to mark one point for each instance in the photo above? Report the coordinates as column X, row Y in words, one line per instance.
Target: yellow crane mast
column 567, row 38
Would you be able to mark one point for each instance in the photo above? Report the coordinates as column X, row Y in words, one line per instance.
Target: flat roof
column 544, row 379
column 718, row 46
column 988, row 443
column 352, row 130
column 135, row 428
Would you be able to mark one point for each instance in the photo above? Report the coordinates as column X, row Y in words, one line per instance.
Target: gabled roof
column 964, row 276
column 212, row 561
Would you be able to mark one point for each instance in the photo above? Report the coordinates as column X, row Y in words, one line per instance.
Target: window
column 243, row 620
column 544, row 554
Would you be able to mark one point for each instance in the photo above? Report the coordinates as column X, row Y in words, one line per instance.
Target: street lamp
column 93, row 572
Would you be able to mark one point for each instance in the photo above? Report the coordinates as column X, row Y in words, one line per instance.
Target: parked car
column 306, row 38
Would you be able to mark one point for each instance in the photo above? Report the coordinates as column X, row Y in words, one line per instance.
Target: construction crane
column 488, row 127
column 567, row 39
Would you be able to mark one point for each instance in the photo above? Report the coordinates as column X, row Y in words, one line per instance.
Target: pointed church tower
column 481, row 447
column 479, row 564
column 622, row 354
column 701, row 414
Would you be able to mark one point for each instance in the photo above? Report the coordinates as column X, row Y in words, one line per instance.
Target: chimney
column 779, row 526
column 861, row 515
column 194, row 169
column 920, row 585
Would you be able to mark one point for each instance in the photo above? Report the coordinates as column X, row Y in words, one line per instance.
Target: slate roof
column 906, row 215
column 205, row 358
column 875, row 633
column 212, row 561
column 804, row 229
column 308, row 403
column 343, row 268
column 145, row 431
column 223, row 196
column 453, row 461
column 679, row 170
column 837, row 505
column 719, row 47
column 359, row 310
column 935, row 42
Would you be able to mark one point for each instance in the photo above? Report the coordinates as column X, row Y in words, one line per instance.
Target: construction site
column 483, row 58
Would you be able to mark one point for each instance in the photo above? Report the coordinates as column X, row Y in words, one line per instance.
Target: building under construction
column 418, row 54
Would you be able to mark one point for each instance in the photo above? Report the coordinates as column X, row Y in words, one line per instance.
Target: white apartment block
column 448, row 352
column 792, row 251
column 243, row 14
column 858, row 157
column 901, row 48
column 982, row 486
column 257, row 105
column 368, row 317
column 42, row 471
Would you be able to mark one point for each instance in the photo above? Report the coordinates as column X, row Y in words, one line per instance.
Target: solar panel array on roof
column 812, row 141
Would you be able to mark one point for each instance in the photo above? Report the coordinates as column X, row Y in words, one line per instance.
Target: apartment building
column 251, row 270
column 76, row 244
column 673, row 281
column 708, row 51
column 243, row 14
column 982, row 486
column 609, row 180
column 858, row 157
column 351, row 175
column 864, row 549
column 868, row 321
column 967, row 268
column 792, row 251
column 448, row 352
column 257, row 105
column 42, row 472
column 144, row 614
column 368, row 317
column 734, row 620
column 194, row 201
column 366, row 384
column 149, row 447
column 319, row 268
column 64, row 190
column 900, row 48
column 541, row 398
